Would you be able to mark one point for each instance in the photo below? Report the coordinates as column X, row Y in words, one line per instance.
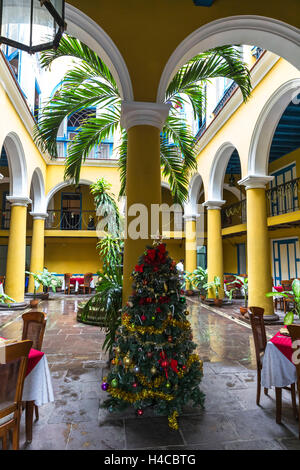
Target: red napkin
column 34, row 358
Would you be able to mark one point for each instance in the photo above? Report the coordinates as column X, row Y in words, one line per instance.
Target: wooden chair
column 34, row 325
column 260, row 343
column 12, row 376
column 294, row 331
column 86, row 283
column 68, row 285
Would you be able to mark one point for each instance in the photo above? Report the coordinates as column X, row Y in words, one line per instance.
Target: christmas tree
column 153, row 362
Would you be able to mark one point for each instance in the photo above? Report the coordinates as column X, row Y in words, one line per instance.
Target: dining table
column 76, row 282
column 278, row 369
column 38, row 389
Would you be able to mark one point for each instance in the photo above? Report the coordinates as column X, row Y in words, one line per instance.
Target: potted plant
column 188, row 277
column 295, row 293
column 199, row 280
column 243, row 281
column 48, row 280
column 215, row 286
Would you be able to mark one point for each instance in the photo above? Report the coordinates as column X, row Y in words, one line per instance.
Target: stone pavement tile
column 48, row 437
column 83, row 374
column 262, row 444
column 247, row 398
column 224, row 382
column 76, row 411
column 91, row 436
column 290, row 444
column 206, row 427
column 150, row 433
column 218, row 400
column 227, row 367
column 258, row 424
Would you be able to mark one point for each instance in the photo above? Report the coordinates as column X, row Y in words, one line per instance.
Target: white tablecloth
column 92, row 285
column 38, row 385
column 277, row 370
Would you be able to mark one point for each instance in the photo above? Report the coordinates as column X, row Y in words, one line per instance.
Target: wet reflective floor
column 231, row 419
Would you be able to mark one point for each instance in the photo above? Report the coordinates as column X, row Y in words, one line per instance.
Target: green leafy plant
column 243, row 281
column 5, row 299
column 90, row 84
column 199, row 279
column 104, row 307
column 46, row 279
column 215, row 285
column 289, row 317
column 229, row 293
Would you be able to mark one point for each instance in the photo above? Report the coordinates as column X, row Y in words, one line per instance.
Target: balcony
column 235, row 214
column 99, row 152
column 283, row 198
column 71, row 220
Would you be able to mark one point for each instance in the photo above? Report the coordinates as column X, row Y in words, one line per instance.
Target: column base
column 271, row 318
column 14, row 306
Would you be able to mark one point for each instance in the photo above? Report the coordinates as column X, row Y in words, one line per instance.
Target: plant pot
column 218, row 302
column 243, row 310
column 189, row 292
column 34, row 303
column 202, row 297
column 45, row 296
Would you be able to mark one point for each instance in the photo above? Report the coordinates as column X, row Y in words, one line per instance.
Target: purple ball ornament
column 104, row 386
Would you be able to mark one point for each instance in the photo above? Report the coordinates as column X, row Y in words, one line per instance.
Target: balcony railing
column 99, row 152
column 234, row 214
column 71, row 220
column 284, row 198
column 5, row 219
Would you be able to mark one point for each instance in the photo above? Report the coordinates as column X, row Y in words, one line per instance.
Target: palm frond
column 91, row 133
column 177, row 130
column 173, row 169
column 72, row 47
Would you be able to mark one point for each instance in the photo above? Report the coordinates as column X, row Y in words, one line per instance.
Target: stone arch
column 266, row 124
column 60, row 186
column 191, row 206
column 217, row 171
column 17, row 165
column 37, row 189
column 268, row 33
column 88, row 31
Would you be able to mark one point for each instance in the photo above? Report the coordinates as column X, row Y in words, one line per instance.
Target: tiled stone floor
column 231, row 419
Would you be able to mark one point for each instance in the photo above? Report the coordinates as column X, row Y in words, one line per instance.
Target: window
column 76, row 119
column 70, row 211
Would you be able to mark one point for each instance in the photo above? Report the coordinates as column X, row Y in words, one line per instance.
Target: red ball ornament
column 143, row 317
column 134, row 385
column 170, row 339
column 140, row 412
column 149, row 354
column 183, row 367
column 164, row 363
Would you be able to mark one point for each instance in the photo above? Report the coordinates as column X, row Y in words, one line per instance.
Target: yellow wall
column 77, row 255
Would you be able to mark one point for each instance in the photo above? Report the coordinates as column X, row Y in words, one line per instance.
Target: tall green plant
column 106, row 206
column 215, row 286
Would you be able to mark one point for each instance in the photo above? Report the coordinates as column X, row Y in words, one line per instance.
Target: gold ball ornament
column 127, row 361
column 153, row 370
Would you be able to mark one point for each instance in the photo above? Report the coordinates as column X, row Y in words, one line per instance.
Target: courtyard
column 229, row 421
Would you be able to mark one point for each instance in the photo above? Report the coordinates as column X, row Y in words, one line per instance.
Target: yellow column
column 16, row 253
column 190, row 243
column 214, row 245
column 37, row 247
column 143, row 122
column 258, row 245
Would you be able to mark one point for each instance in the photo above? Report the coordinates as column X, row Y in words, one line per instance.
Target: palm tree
column 90, row 84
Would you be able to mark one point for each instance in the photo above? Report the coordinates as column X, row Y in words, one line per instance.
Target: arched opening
column 37, row 191
column 268, row 33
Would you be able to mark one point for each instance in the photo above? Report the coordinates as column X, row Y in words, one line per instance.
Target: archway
column 17, row 165
column 268, row 33
column 266, row 124
column 37, row 191
column 90, row 33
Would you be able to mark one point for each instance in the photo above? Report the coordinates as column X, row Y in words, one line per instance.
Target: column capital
column 191, row 217
column 213, row 204
column 38, row 215
column 142, row 113
column 255, row 181
column 19, row 200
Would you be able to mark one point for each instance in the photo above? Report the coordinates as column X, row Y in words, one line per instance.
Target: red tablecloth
column 278, row 288
column 80, row 280
column 34, row 357
column 284, row 344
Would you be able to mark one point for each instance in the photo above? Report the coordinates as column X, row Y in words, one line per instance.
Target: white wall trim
column 88, row 31
column 37, row 187
column 213, row 205
column 268, row 33
column 17, row 165
column 217, row 171
column 256, row 181
column 140, row 113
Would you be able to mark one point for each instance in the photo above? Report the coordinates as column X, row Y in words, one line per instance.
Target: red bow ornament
column 164, row 363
